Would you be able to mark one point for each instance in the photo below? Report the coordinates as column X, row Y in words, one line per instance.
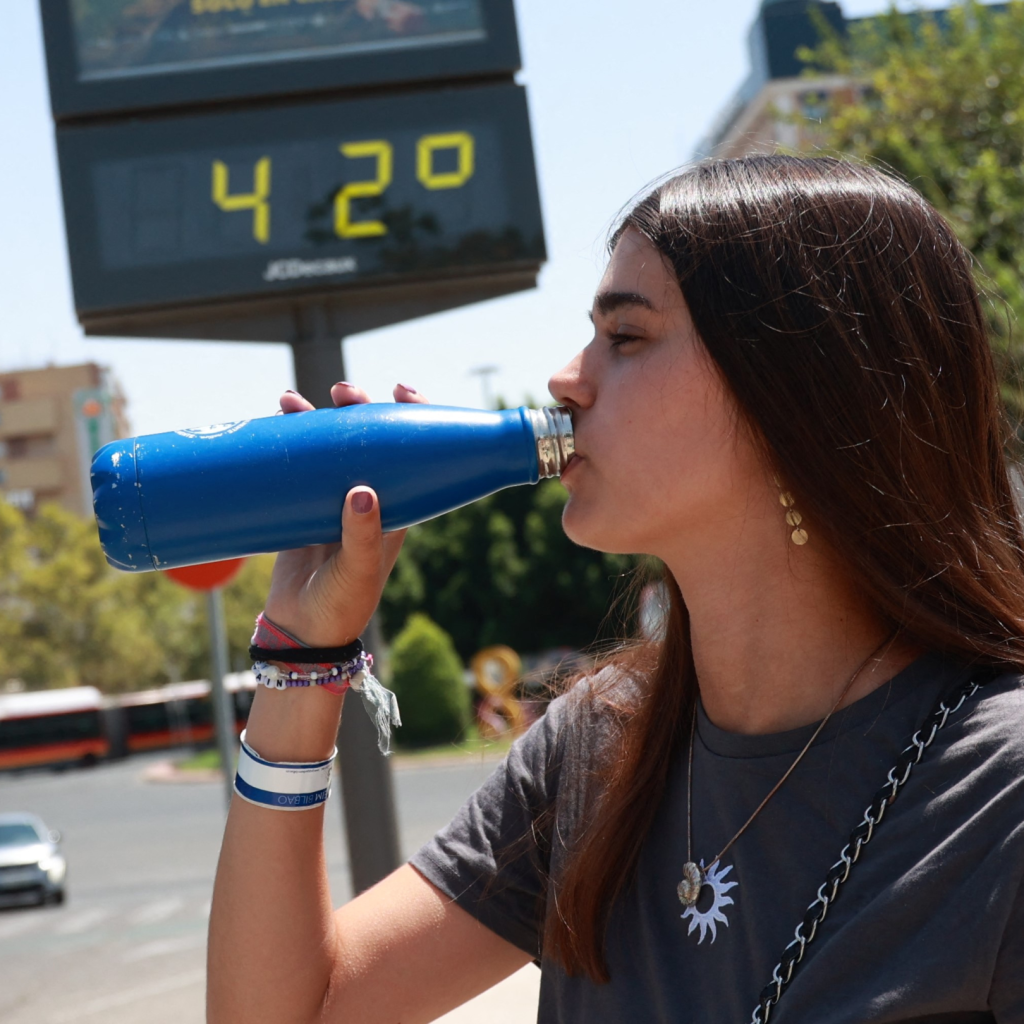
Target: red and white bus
column 179, row 714
column 175, row 715
column 80, row 725
column 52, row 727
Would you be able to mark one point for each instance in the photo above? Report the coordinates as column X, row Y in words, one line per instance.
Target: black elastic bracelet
column 309, row 655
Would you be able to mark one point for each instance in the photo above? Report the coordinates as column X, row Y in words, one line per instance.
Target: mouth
column 571, row 465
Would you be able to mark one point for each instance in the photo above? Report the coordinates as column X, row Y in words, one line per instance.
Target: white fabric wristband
column 286, row 786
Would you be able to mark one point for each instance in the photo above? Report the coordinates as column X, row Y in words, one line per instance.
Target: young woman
column 790, row 401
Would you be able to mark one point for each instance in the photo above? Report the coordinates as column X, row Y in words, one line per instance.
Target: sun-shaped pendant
column 715, row 878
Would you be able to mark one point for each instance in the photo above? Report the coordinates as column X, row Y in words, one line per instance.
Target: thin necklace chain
column 778, row 785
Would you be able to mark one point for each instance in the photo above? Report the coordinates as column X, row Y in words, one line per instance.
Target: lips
column 571, row 464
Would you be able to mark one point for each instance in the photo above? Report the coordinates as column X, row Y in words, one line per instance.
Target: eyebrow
column 608, row 302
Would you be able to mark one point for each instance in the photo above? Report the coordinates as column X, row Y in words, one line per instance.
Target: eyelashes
column 623, row 338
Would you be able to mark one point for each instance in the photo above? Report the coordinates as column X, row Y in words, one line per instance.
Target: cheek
column 692, row 443
column 689, row 464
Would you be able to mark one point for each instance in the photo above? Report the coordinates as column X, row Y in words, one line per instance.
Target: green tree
column 178, row 617
column 244, row 598
column 67, row 618
column 426, row 677
column 73, row 621
column 503, row 571
column 941, row 101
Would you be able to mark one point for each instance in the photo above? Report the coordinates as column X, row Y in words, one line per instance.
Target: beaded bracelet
column 340, row 677
column 356, row 673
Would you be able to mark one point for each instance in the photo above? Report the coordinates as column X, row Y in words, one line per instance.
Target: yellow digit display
column 344, row 226
column 462, row 143
column 256, row 200
column 382, row 152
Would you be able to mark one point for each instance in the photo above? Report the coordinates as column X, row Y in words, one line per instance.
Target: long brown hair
column 841, row 311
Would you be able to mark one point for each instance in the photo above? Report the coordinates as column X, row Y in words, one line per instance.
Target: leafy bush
column 426, row 675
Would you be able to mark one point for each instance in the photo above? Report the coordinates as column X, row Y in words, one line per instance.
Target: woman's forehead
column 636, row 270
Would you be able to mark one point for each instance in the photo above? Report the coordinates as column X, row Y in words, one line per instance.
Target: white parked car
column 32, row 868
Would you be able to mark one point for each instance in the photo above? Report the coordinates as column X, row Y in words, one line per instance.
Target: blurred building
column 777, row 105
column 52, row 420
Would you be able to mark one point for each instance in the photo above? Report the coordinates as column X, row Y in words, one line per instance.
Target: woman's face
column 661, row 454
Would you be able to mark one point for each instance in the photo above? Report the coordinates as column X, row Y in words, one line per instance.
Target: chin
column 598, row 532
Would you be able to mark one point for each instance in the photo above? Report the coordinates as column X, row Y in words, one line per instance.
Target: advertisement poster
column 130, row 38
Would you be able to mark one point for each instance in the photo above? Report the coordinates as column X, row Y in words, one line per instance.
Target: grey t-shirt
column 929, row 927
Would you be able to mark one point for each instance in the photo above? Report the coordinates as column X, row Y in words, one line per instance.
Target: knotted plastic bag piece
column 380, row 704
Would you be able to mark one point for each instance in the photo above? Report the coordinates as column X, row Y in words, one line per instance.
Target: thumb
column 350, row 584
column 358, row 560
column 356, row 568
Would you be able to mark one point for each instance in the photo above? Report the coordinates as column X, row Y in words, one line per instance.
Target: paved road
column 129, row 943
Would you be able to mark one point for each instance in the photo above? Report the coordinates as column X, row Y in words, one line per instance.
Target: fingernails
column 362, row 502
column 412, row 391
column 289, row 391
column 344, row 384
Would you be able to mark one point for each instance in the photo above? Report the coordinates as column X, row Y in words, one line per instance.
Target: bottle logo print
column 213, row 430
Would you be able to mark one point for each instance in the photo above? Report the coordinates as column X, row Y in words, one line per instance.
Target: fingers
column 356, row 568
column 344, row 393
column 292, row 401
column 404, row 393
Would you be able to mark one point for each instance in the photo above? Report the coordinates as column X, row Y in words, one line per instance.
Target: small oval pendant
column 689, row 888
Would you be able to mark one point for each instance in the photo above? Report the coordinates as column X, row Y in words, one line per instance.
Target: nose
column 569, row 387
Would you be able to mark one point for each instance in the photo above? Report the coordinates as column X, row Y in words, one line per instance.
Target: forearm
column 274, row 944
column 271, row 948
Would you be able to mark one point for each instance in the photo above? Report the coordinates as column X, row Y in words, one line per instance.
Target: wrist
column 310, row 636
column 309, row 671
column 306, row 631
column 294, row 725
column 281, row 660
column 287, row 786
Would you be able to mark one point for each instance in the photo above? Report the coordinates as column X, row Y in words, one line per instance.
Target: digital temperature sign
column 116, row 56
column 239, row 204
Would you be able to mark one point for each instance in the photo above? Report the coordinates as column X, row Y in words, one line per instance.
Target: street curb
column 406, row 762
column 168, row 772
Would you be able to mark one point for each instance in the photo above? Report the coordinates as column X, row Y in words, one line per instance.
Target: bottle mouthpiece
column 552, row 432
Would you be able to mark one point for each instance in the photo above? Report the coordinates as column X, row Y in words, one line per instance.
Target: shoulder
column 973, row 765
column 590, row 712
column 578, row 728
column 993, row 719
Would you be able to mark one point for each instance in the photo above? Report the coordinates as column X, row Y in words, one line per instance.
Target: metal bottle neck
column 552, row 432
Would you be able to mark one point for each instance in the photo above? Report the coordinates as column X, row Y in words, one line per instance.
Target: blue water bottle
column 270, row 484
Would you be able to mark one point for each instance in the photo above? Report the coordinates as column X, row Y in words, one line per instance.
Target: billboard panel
column 126, row 39
column 118, row 55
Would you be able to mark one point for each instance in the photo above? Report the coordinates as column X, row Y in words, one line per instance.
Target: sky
column 619, row 94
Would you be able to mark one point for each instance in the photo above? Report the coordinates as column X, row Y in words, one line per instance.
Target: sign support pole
column 223, row 709
column 371, row 824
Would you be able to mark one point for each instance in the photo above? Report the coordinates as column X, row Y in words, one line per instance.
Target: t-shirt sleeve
column 493, row 858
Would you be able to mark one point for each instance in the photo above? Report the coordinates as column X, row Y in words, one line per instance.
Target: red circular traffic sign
column 207, row 576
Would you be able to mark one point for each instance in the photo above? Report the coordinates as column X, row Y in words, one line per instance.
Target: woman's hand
column 326, row 594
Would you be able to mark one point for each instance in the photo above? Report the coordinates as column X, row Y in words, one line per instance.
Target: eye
column 620, row 338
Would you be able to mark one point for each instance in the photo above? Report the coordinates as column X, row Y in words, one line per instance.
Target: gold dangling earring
column 793, row 518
